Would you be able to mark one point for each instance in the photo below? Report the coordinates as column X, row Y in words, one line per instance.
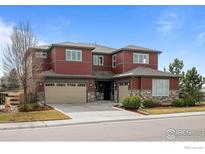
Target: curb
column 44, row 124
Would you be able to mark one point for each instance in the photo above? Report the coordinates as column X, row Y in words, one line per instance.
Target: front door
column 107, row 90
column 103, row 90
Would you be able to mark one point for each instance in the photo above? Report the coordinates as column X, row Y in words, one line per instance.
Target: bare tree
column 16, row 53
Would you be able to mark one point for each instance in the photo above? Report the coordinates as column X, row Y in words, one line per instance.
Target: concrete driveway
column 98, row 111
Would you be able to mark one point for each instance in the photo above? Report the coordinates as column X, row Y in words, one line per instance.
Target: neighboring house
column 81, row 72
column 203, row 91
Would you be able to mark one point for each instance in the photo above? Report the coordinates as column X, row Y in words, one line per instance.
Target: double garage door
column 65, row 92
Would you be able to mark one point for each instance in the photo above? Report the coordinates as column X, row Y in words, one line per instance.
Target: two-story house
column 81, row 72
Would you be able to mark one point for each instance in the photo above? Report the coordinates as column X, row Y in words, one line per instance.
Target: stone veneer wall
column 91, row 96
column 161, row 100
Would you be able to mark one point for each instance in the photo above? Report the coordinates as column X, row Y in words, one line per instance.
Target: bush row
column 182, row 102
column 134, row 102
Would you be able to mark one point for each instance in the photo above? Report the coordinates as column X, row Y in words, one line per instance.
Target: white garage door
column 123, row 92
column 65, row 92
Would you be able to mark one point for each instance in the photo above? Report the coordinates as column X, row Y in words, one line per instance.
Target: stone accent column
column 91, row 91
column 91, row 96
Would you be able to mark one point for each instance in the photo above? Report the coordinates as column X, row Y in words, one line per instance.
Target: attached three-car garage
column 65, row 92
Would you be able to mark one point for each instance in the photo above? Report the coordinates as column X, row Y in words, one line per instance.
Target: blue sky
column 178, row 31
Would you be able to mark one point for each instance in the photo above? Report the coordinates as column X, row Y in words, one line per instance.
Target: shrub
column 131, row 102
column 149, row 103
column 189, row 101
column 178, row 103
column 26, row 107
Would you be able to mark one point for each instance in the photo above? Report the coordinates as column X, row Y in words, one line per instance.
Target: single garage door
column 65, row 92
column 123, row 91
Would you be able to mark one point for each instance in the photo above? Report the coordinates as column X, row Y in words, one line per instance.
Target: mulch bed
column 14, row 108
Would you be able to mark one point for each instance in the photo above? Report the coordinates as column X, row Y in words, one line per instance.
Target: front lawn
column 32, row 116
column 169, row 110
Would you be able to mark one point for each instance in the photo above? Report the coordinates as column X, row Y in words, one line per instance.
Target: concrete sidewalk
column 23, row 125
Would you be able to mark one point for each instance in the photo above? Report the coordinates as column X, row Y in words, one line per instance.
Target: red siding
column 91, row 85
column 146, row 83
column 119, row 63
column 52, row 58
column 135, row 83
column 174, row 84
column 128, row 61
column 124, row 62
column 69, row 67
column 107, row 65
column 43, row 64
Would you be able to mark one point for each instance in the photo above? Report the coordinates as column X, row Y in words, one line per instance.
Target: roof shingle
column 137, row 48
column 144, row 71
column 96, row 48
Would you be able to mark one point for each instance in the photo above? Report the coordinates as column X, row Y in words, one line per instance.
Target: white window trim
column 136, row 61
column 69, row 58
column 153, row 88
column 97, row 62
column 113, row 60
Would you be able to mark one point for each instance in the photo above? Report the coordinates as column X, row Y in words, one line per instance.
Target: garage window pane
column 49, row 84
column 60, row 84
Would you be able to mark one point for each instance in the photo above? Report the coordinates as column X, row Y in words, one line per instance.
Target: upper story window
column 41, row 54
column 98, row 60
column 140, row 58
column 113, row 61
column 160, row 87
column 73, row 55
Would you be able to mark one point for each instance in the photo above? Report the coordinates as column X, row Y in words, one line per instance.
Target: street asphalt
column 170, row 129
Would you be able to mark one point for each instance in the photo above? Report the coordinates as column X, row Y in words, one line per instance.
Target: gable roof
column 137, row 48
column 103, row 49
column 138, row 72
column 144, row 71
column 51, row 73
column 75, row 45
column 96, row 48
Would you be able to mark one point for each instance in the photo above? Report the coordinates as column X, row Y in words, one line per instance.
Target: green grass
column 32, row 116
column 169, row 110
